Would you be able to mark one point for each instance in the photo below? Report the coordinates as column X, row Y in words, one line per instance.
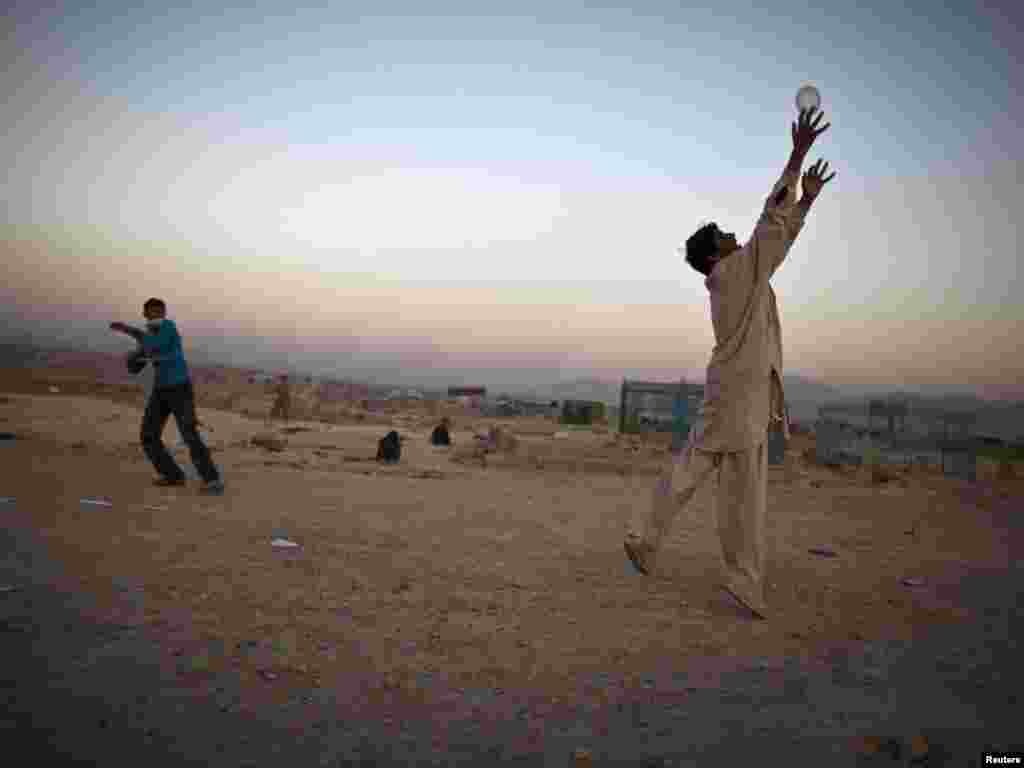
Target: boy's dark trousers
column 179, row 401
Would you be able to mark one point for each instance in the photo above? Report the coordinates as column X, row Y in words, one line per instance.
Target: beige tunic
column 744, row 383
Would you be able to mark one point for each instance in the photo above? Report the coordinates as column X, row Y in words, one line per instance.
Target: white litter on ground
column 283, row 544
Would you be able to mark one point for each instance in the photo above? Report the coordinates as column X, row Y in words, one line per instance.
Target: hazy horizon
column 389, row 191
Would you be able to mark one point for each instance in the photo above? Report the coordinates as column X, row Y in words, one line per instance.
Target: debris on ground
column 913, row 581
column 8, row 436
column 97, row 502
column 424, row 474
column 283, row 544
column 822, row 552
column 269, row 442
column 6, row 499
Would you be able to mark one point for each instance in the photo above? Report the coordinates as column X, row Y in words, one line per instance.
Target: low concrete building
column 896, row 432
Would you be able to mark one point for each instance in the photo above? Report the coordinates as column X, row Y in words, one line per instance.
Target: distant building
column 467, row 392
column 582, row 411
column 895, row 431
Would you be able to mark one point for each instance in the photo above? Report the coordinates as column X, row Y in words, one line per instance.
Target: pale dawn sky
column 470, row 189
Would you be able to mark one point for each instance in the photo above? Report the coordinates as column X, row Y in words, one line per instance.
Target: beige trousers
column 741, row 497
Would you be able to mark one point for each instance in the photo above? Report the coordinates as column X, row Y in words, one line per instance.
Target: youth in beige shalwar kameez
column 742, row 395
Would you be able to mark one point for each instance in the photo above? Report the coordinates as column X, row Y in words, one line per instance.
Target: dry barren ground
column 502, row 576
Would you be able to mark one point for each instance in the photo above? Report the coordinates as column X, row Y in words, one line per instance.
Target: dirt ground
column 504, row 575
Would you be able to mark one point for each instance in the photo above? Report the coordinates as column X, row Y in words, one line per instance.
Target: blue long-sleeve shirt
column 164, row 347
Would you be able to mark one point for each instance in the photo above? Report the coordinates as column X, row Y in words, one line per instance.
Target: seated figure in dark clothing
column 440, row 435
column 389, row 448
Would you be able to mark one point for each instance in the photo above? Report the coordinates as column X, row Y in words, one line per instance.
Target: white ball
column 808, row 97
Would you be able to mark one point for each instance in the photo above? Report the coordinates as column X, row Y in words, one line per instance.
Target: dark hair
column 701, row 247
column 157, row 304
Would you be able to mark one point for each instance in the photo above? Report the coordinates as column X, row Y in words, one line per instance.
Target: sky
column 494, row 196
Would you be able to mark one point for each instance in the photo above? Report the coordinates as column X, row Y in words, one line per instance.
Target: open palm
column 814, row 178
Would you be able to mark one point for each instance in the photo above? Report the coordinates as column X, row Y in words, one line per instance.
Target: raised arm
column 783, row 217
column 135, row 333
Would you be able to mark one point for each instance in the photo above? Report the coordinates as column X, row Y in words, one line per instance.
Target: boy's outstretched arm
column 783, row 217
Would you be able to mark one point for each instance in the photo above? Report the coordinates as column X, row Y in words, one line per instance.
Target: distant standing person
column 743, row 392
column 172, row 395
column 283, row 403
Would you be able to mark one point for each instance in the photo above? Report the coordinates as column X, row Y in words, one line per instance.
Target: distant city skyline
column 372, row 187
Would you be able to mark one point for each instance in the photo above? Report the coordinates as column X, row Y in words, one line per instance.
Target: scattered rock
column 267, row 675
column 269, row 442
column 822, row 552
column 424, row 474
column 54, row 390
column 912, row 581
column 283, row 544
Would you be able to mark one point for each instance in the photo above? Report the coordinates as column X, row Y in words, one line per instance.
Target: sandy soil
column 501, row 575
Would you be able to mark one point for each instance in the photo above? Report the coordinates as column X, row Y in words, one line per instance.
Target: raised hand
column 814, row 178
column 805, row 130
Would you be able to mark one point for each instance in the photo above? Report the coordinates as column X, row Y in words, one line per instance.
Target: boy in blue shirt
column 172, row 394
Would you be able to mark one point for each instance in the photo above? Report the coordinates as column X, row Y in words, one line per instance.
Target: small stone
column 267, row 675
column 913, row 581
column 822, row 552
column 581, row 757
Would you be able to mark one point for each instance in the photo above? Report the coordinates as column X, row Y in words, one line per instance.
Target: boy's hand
column 814, row 179
column 118, row 326
column 805, row 132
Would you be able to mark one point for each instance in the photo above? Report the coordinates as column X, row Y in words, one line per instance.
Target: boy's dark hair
column 701, row 247
column 156, row 304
